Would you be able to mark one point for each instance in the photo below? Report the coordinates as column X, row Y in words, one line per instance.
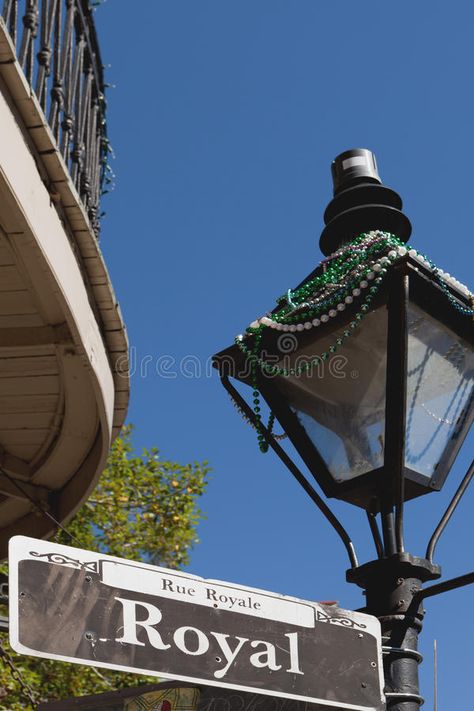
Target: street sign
column 78, row 606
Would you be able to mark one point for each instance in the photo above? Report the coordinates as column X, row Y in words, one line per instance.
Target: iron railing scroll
column 57, row 48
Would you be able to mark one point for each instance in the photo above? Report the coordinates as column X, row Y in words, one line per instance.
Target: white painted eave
column 72, row 213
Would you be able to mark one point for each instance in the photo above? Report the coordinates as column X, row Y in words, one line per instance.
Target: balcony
column 63, row 349
column 56, row 46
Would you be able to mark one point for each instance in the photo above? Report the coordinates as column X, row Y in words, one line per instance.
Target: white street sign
column 84, row 607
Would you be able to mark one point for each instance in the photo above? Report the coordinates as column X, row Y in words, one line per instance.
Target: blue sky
column 224, row 120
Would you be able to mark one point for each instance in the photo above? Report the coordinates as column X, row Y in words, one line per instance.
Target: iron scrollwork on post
column 57, row 48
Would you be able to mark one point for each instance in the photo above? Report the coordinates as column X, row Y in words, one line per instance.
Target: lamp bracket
column 447, row 585
column 399, row 566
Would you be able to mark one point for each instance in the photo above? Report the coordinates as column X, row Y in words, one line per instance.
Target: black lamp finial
column 352, row 167
column 360, row 203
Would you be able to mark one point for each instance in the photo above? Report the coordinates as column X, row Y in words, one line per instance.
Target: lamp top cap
column 355, row 166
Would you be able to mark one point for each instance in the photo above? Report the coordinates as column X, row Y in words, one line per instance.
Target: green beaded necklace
column 357, row 266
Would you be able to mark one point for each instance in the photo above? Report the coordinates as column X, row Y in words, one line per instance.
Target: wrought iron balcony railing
column 57, row 48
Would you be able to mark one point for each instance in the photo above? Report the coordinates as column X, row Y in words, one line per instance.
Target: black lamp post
column 368, row 365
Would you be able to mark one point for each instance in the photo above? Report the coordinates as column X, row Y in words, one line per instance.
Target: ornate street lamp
column 368, row 365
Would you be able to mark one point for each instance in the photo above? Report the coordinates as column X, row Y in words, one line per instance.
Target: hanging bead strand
column 356, row 270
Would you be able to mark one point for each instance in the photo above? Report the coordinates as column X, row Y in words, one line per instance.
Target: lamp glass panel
column 440, row 389
column 341, row 403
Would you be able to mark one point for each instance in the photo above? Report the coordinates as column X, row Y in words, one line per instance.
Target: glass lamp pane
column 440, row 388
column 341, row 403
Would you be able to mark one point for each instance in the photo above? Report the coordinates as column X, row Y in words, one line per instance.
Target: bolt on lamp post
column 368, row 365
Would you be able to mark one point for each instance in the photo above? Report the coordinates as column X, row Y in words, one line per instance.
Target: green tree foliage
column 143, row 509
